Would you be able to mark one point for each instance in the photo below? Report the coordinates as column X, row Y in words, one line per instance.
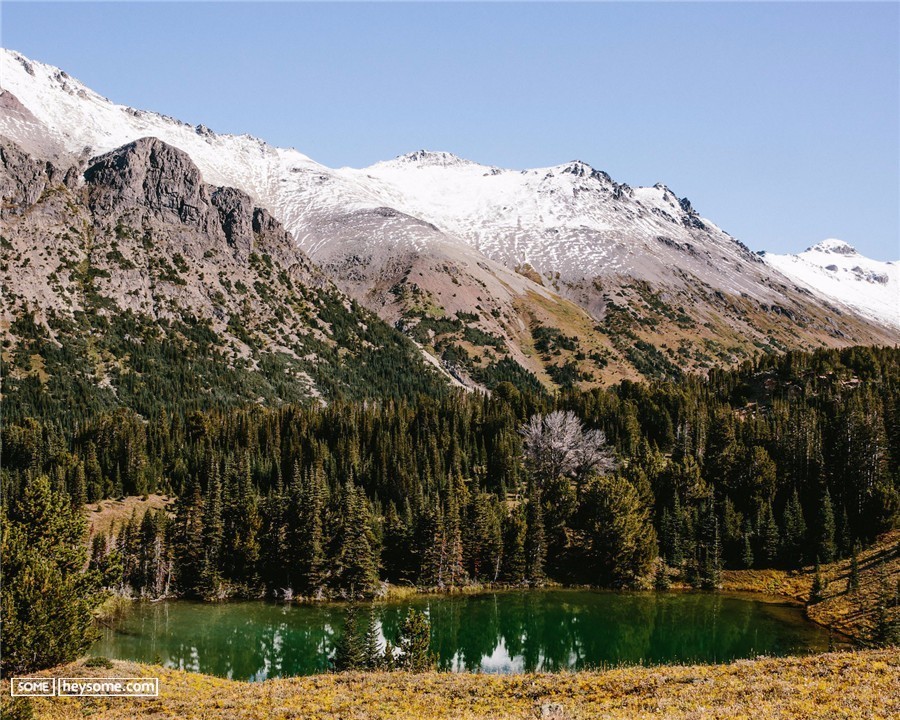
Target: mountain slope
column 836, row 270
column 560, row 272
column 131, row 281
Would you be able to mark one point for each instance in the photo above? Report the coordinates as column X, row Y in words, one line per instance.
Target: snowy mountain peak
column 833, row 245
column 837, row 271
column 429, row 158
column 581, row 169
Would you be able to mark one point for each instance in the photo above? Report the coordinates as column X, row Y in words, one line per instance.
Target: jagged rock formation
column 138, row 255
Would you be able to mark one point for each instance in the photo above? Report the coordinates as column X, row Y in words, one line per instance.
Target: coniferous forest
column 782, row 462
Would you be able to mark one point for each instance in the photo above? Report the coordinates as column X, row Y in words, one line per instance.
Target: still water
column 499, row 632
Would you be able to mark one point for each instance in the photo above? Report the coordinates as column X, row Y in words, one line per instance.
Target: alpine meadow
column 432, row 438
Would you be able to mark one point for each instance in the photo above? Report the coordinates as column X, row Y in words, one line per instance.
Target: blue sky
column 781, row 122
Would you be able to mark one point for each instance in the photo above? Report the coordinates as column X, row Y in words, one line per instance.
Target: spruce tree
column 374, row 657
column 769, row 539
column 514, row 533
column 825, row 547
column 747, row 550
column 47, row 599
column 661, row 579
column 793, row 539
column 415, row 643
column 350, row 651
column 535, row 546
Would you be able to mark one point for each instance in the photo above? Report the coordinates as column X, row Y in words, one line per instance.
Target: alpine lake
column 494, row 632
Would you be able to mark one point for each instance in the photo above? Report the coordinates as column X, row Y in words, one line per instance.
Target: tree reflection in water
column 545, row 630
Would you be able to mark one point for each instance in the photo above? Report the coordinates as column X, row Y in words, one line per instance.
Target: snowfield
column 836, row 270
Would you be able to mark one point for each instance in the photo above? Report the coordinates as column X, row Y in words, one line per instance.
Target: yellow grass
column 850, row 613
column 864, row 684
column 101, row 516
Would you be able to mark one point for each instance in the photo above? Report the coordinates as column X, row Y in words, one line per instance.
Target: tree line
column 778, row 463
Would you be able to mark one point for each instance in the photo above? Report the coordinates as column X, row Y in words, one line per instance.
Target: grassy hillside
column 851, row 613
column 837, row 685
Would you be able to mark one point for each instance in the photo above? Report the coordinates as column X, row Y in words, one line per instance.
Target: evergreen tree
column 661, row 579
column 535, row 547
column 350, row 653
column 619, row 540
column 710, row 549
column 769, row 539
column 514, row 534
column 47, row 599
column 825, row 546
column 354, row 558
column 747, row 552
column 415, row 643
column 793, row 539
column 374, row 657
column 886, row 632
column 210, row 583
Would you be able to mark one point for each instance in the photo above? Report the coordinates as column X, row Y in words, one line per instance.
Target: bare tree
column 557, row 444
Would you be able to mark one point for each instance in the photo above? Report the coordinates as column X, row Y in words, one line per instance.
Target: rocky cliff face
column 136, row 250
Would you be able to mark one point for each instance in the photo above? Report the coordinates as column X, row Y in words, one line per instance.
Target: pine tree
column 747, row 552
column 415, row 643
column 354, row 558
column 661, row 580
column 886, row 632
column 210, row 584
column 535, row 546
column 374, row 657
column 46, row 599
column 825, row 547
column 514, row 533
column 793, row 539
column 710, row 551
column 350, row 651
column 619, row 542
column 769, row 539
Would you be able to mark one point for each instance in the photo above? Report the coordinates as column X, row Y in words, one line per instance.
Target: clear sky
column 781, row 122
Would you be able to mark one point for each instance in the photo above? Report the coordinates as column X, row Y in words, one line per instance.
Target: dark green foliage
column 535, row 547
column 824, row 542
column 793, row 541
column 415, row 643
column 331, row 501
column 618, row 542
column 661, row 580
column 373, row 657
column 350, row 652
column 47, row 598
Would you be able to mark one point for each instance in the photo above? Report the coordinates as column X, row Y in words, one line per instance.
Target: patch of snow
column 835, row 270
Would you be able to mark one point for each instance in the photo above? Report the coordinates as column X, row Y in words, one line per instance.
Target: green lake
column 499, row 632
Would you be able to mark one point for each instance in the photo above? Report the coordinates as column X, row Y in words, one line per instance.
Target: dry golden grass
column 101, row 516
column 863, row 684
column 850, row 613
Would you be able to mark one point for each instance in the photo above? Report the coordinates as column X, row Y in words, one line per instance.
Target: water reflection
column 499, row 632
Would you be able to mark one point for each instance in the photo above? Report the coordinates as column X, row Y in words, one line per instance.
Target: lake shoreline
column 811, row 686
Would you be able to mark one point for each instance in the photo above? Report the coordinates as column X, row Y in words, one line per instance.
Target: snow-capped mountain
column 836, row 270
column 479, row 263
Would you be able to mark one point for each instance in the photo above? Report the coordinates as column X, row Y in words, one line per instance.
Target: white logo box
column 32, row 687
